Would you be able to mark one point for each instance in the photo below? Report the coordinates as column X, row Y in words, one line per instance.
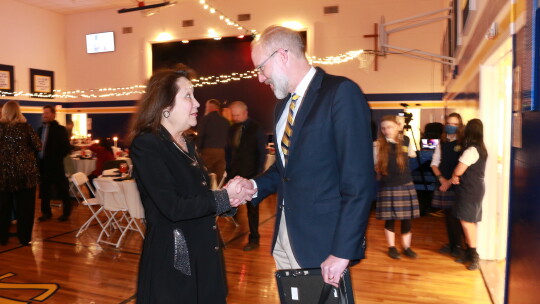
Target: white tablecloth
column 85, row 166
column 131, row 193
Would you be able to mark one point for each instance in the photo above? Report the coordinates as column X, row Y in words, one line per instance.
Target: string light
column 199, row 82
column 212, row 10
column 331, row 60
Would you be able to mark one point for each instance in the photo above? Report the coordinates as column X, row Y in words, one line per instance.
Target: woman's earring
column 166, row 114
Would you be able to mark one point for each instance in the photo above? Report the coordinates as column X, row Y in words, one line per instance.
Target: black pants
column 61, row 184
column 25, row 201
column 454, row 229
column 253, row 220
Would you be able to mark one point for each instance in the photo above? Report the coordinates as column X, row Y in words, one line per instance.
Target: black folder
column 306, row 286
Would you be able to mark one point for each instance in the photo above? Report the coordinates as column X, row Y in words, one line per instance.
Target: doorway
column 496, row 115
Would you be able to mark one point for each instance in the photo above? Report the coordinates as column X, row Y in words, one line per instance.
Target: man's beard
column 280, row 83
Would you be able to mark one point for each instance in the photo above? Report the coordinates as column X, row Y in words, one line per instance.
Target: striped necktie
column 285, row 141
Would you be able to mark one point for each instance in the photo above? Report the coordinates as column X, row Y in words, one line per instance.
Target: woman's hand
column 239, row 190
column 455, row 180
column 445, row 184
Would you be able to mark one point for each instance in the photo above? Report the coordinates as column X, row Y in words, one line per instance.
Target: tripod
column 408, row 127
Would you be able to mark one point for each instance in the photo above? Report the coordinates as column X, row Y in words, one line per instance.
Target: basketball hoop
column 365, row 60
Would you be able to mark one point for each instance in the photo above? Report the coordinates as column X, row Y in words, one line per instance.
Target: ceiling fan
column 142, row 6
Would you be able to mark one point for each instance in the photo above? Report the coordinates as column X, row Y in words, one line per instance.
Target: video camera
column 408, row 117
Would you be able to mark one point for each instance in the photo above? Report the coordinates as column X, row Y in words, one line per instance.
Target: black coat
column 56, row 148
column 247, row 160
column 181, row 258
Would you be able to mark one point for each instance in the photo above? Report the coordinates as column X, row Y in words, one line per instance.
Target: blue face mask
column 450, row 129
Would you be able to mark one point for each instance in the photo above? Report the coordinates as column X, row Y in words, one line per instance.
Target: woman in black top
column 469, row 178
column 181, row 258
column 19, row 173
column 444, row 161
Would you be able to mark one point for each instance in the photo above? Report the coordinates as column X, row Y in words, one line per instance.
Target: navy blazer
column 328, row 183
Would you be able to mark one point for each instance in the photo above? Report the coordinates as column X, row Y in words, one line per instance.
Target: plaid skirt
column 397, row 203
column 443, row 200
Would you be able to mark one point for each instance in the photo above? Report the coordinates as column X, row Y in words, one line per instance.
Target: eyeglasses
column 260, row 68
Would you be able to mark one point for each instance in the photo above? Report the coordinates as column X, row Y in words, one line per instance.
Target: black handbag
column 303, row 286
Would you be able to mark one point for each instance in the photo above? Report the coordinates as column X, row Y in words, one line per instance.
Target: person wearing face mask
column 445, row 159
column 396, row 197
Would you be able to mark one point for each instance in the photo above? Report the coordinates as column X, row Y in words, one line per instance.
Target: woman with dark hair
column 181, row 258
column 19, row 173
column 104, row 153
column 444, row 161
column 470, row 189
column 396, row 197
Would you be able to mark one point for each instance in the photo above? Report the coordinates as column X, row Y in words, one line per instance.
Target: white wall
column 129, row 64
column 32, row 38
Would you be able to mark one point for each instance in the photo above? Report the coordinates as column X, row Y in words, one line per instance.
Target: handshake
column 240, row 190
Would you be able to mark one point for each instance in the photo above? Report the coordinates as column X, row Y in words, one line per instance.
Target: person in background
column 248, row 153
column 69, row 128
column 181, row 259
column 19, row 173
column 212, row 137
column 56, row 146
column 444, row 161
column 396, row 197
column 104, row 153
column 469, row 178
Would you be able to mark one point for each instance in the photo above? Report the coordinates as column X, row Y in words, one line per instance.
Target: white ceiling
column 67, row 7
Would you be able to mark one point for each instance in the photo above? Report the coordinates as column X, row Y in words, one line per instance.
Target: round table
column 131, row 193
column 84, row 165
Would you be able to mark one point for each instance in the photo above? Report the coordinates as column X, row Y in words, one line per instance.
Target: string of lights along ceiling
column 199, row 82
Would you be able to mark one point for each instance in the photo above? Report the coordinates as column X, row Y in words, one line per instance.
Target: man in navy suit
column 324, row 172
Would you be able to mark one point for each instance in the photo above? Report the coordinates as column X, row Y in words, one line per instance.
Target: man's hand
column 239, row 190
column 332, row 269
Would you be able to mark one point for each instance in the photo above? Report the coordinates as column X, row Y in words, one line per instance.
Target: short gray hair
column 275, row 37
column 239, row 104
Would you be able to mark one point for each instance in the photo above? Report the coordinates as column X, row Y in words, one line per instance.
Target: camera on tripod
column 408, row 117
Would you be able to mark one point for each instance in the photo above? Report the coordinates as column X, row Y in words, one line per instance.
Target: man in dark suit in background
column 248, row 153
column 56, row 146
column 324, row 173
column 212, row 137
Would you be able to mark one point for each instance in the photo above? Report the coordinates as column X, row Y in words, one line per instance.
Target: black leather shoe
column 63, row 218
column 44, row 217
column 457, row 252
column 410, row 253
column 393, row 253
column 446, row 249
column 251, row 246
column 475, row 263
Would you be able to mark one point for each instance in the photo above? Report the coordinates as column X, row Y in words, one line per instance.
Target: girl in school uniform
column 444, row 161
column 470, row 189
column 396, row 198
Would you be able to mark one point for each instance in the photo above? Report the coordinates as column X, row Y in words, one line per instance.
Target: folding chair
column 115, row 202
column 79, row 179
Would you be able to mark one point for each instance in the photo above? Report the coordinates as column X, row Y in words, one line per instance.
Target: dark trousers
column 253, row 220
column 25, row 201
column 454, row 229
column 214, row 160
column 61, row 184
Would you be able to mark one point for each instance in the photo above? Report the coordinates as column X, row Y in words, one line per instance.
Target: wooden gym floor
column 59, row 268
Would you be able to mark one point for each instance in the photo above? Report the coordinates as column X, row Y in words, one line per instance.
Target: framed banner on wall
column 41, row 83
column 6, row 79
